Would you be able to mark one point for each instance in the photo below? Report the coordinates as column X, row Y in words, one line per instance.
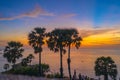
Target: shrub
column 55, row 75
column 32, row 70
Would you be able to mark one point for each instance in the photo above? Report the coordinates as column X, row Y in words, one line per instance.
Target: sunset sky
column 98, row 21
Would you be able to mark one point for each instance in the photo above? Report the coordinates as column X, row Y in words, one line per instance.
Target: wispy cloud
column 68, row 15
column 101, row 37
column 86, row 33
column 38, row 11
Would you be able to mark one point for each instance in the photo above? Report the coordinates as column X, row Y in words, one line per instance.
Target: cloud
column 89, row 32
column 38, row 11
column 101, row 38
column 68, row 15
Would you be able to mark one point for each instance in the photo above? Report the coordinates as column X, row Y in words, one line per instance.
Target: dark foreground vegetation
column 31, row 70
column 58, row 40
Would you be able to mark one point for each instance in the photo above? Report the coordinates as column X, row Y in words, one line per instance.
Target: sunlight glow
column 107, row 38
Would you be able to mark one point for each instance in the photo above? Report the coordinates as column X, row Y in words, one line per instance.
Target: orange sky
column 98, row 24
column 107, row 38
column 91, row 38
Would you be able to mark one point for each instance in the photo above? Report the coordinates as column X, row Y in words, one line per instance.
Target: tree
column 105, row 66
column 56, row 42
column 13, row 51
column 72, row 38
column 6, row 66
column 30, row 57
column 36, row 40
column 24, row 62
column 27, row 60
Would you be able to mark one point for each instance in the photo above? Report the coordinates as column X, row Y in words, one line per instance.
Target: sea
column 82, row 59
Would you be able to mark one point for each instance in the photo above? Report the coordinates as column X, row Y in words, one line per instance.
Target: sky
column 98, row 21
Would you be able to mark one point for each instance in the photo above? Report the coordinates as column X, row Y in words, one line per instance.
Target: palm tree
column 56, row 43
column 13, row 51
column 105, row 66
column 36, row 40
column 72, row 37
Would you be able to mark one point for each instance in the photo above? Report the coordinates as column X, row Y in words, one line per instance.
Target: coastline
column 24, row 77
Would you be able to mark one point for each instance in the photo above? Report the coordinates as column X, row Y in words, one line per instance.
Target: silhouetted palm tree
column 105, row 66
column 72, row 37
column 13, row 51
column 56, row 42
column 36, row 40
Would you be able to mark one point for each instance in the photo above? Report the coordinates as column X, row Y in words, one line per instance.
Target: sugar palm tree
column 13, row 51
column 72, row 37
column 36, row 40
column 105, row 66
column 56, row 43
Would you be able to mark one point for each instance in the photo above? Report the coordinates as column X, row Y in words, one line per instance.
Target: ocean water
column 82, row 60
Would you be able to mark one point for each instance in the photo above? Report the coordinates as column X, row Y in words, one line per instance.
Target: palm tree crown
column 72, row 37
column 36, row 39
column 105, row 66
column 13, row 51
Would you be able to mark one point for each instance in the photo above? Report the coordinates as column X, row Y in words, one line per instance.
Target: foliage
column 55, row 75
column 32, row 70
column 24, row 62
column 27, row 60
column 58, row 39
column 6, row 66
column 13, row 51
column 36, row 40
column 105, row 66
column 56, row 42
column 71, row 38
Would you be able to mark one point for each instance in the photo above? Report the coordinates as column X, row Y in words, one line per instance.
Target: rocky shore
column 21, row 77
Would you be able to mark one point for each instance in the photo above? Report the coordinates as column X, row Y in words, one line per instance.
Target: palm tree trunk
column 40, row 68
column 61, row 64
column 105, row 77
column 106, row 74
column 69, row 60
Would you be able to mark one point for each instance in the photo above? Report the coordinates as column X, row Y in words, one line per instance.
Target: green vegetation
column 56, row 42
column 36, row 40
column 105, row 66
column 13, row 51
column 61, row 38
column 6, row 66
column 55, row 75
column 71, row 38
column 27, row 60
column 32, row 70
